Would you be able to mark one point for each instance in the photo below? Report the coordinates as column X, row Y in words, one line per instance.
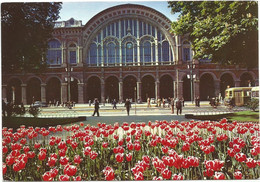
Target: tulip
column 251, row 163
column 177, row 177
column 104, row 144
column 166, row 174
column 128, row 157
column 238, row 175
column 70, row 170
column 42, row 155
column 77, row 159
column 219, row 176
column 52, row 161
column 64, row 178
column 119, row 157
column 109, row 173
column 93, row 155
column 4, row 168
column 64, row 160
column 47, row 176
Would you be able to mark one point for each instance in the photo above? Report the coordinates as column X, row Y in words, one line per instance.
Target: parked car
column 39, row 104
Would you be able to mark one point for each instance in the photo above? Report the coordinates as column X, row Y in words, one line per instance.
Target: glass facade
column 119, row 41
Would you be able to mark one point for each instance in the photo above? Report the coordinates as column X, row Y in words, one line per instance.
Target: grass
column 243, row 116
column 16, row 122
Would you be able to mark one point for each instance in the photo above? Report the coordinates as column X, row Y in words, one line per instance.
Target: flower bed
column 173, row 150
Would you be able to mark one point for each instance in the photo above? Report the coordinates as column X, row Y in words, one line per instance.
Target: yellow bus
column 255, row 92
column 238, row 96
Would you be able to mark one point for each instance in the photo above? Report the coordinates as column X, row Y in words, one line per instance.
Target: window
column 111, row 52
column 72, row 54
column 147, row 51
column 129, row 52
column 54, row 53
column 165, row 51
column 186, row 54
column 93, row 53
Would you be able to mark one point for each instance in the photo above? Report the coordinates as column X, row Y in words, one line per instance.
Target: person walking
column 172, row 105
column 96, row 103
column 198, row 101
column 148, row 102
column 114, row 104
column 128, row 106
column 3, row 108
column 179, row 106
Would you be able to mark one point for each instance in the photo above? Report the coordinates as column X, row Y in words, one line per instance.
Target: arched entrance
column 14, row 92
column 53, row 90
column 148, row 87
column 129, row 84
column 111, row 88
column 246, row 80
column 74, row 90
column 166, row 86
column 93, row 89
column 186, row 89
column 33, row 91
column 207, row 89
column 226, row 80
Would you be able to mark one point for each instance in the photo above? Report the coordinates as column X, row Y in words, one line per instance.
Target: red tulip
column 128, row 157
column 5, row 149
column 109, row 173
column 240, row 157
column 185, row 147
column 177, row 177
column 37, row 145
column 54, row 172
column 166, row 174
column 155, row 178
column 78, row 178
column 51, row 161
column 137, row 147
column 70, row 170
column 219, row 176
column 77, row 159
column 104, row 144
column 238, row 175
column 139, row 176
column 47, row 176
column 42, row 155
column 4, row 168
column 251, row 163
column 62, row 145
column 93, row 155
column 119, row 157
column 87, row 151
column 165, row 149
column 64, row 160
column 64, row 178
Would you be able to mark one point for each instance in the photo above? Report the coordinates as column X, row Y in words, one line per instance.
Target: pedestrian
column 182, row 100
column 172, row 105
column 96, row 105
column 114, row 104
column 128, row 106
column 148, row 102
column 179, row 106
column 89, row 102
column 198, row 101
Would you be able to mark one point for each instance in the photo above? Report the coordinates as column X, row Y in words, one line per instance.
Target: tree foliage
column 224, row 31
column 26, row 28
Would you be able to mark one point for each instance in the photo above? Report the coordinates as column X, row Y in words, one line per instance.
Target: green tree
column 224, row 31
column 26, row 28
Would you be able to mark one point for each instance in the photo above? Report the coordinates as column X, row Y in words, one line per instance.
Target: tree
column 26, row 28
column 223, row 31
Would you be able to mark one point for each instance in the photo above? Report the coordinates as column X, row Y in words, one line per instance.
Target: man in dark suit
column 96, row 108
column 127, row 105
column 179, row 106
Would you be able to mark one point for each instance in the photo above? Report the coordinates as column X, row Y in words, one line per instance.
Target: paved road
column 138, row 113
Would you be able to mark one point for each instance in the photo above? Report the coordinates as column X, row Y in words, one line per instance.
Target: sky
column 85, row 10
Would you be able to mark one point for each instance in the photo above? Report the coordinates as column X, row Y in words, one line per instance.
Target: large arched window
column 147, row 51
column 93, row 54
column 186, row 51
column 129, row 52
column 111, row 53
column 54, row 53
column 165, row 51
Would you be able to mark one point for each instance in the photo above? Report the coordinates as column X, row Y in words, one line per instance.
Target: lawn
column 243, row 116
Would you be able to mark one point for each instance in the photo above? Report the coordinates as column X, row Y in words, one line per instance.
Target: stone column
column 64, row 93
column 139, row 90
column 237, row 83
column 217, row 87
column 4, row 92
column 80, row 93
column 43, row 92
column 24, row 101
column 180, row 89
column 138, row 52
column 157, row 90
column 120, row 87
column 102, row 91
column 64, row 57
column 79, row 57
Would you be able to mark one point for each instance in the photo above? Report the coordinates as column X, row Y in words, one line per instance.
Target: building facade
column 126, row 51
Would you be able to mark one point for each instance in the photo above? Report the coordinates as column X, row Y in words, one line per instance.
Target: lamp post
column 191, row 66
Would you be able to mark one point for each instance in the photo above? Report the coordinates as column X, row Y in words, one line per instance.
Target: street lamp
column 190, row 76
column 135, row 100
column 68, row 79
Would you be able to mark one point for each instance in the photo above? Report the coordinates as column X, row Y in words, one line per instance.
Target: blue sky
column 86, row 10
